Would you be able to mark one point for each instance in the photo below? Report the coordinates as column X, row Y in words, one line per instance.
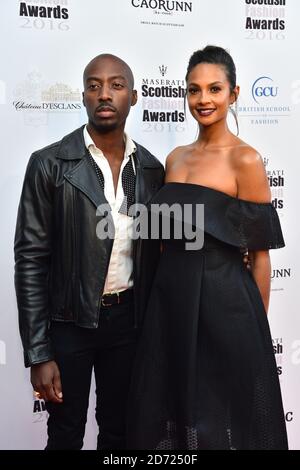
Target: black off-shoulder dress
column 205, row 375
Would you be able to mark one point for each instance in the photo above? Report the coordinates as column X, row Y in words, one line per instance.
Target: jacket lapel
column 84, row 178
column 149, row 177
column 149, row 174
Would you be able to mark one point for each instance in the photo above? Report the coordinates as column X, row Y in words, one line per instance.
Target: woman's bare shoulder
column 244, row 156
column 177, row 155
column 250, row 172
column 177, row 152
column 176, row 161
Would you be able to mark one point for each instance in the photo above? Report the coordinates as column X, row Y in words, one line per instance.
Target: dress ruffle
column 237, row 222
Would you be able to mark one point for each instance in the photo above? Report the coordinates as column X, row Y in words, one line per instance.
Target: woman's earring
column 233, row 110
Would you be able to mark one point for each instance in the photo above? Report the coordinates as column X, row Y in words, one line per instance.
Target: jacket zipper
column 76, row 259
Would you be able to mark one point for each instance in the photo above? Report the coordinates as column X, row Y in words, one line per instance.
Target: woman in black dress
column 205, row 376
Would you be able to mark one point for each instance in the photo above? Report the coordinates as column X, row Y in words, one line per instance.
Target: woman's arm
column 261, row 270
column 253, row 185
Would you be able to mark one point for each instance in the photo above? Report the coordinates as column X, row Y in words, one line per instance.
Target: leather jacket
column 60, row 264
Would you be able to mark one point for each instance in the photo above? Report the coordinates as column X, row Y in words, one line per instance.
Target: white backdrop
column 45, row 45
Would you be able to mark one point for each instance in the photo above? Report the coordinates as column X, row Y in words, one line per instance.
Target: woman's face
column 208, row 93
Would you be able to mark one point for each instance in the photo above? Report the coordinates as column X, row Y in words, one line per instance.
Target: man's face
column 108, row 93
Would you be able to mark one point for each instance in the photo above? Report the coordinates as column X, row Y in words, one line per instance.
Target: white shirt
column 119, row 275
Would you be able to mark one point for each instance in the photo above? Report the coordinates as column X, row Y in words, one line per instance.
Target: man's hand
column 45, row 379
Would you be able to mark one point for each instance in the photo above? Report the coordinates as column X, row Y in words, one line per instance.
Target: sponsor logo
column 265, row 19
column 278, row 351
column 281, row 275
column 163, row 70
column 164, row 6
column 163, row 10
column 60, row 93
column 289, row 416
column 276, row 180
column 33, row 96
column 265, row 161
column 162, row 102
column 263, row 88
column 44, row 14
column 265, row 105
column 37, row 11
column 277, row 183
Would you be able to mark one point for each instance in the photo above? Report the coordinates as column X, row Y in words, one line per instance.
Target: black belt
column 117, row 298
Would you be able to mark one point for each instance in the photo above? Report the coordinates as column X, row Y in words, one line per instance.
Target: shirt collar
column 130, row 146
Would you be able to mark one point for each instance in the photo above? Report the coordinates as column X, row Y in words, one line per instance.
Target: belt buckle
column 107, row 304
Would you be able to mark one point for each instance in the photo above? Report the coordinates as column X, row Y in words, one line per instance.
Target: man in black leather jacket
column 81, row 298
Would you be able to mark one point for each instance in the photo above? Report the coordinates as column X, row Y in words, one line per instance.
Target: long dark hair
column 214, row 55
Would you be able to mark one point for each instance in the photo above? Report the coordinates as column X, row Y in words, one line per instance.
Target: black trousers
column 110, row 350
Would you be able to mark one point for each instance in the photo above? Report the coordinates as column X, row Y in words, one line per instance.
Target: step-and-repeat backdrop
column 45, row 45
